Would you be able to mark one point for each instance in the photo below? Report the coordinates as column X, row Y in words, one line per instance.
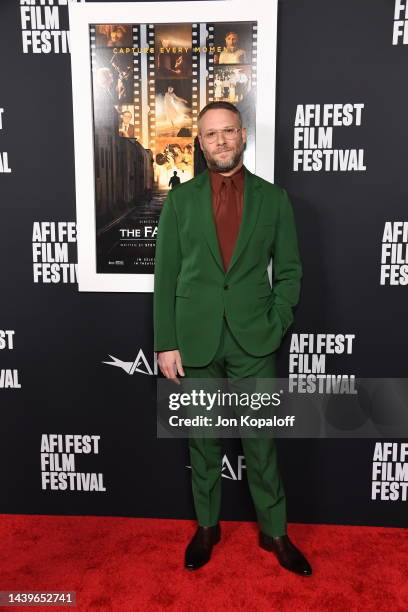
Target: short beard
column 226, row 166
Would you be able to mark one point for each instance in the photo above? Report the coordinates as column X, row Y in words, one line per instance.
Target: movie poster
column 149, row 82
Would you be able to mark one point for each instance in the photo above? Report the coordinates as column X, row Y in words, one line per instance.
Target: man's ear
column 200, row 142
column 244, row 134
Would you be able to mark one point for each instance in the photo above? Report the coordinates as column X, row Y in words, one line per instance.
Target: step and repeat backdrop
column 77, row 368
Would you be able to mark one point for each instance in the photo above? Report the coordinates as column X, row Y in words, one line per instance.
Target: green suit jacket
column 192, row 291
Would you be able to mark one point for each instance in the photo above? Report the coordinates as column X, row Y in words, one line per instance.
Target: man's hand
column 169, row 363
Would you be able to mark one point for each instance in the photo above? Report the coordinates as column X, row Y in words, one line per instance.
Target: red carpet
column 126, row 564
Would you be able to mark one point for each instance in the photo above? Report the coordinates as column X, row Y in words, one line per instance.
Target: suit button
column 225, row 286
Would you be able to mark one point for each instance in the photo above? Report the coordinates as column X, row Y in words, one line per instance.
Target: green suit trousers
column 265, row 485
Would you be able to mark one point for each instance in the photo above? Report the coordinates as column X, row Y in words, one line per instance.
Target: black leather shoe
column 198, row 552
column 288, row 555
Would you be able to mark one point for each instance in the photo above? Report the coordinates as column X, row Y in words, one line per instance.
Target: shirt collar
column 237, row 179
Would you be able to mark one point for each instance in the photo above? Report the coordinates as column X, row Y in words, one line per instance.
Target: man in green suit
column 216, row 315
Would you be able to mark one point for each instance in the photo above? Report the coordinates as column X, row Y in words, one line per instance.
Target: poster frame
column 81, row 16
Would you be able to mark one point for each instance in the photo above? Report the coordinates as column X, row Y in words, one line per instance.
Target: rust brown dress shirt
column 227, row 203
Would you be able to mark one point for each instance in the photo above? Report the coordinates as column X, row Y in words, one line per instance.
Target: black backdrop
column 327, row 53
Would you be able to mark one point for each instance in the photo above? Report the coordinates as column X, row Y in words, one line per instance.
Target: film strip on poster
column 149, row 81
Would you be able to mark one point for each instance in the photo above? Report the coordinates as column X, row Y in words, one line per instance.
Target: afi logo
column 227, row 471
column 139, row 365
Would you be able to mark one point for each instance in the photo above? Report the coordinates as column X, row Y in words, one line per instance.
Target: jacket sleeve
column 167, row 265
column 287, row 267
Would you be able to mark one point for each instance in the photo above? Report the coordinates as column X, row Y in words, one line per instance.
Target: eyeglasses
column 229, row 133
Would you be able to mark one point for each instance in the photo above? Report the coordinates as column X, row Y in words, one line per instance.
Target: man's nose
column 220, row 137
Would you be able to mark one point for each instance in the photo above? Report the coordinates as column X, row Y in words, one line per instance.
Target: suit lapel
column 204, row 195
column 251, row 207
column 252, row 201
